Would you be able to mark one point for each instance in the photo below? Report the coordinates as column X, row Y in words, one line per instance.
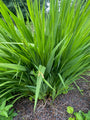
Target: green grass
column 45, row 56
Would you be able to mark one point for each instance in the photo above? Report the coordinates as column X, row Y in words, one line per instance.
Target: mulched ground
column 57, row 109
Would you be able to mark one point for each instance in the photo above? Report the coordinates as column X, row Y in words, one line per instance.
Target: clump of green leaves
column 6, row 113
column 77, row 115
column 45, row 56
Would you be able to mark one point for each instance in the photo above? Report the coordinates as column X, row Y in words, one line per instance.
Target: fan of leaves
column 45, row 56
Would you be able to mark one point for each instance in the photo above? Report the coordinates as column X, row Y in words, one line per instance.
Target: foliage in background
column 10, row 5
column 22, row 4
column 77, row 115
column 45, row 56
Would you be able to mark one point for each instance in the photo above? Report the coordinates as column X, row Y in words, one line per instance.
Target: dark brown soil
column 57, row 109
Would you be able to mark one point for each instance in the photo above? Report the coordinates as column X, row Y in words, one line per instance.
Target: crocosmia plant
column 45, row 54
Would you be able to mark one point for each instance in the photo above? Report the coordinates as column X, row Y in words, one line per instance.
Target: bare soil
column 56, row 110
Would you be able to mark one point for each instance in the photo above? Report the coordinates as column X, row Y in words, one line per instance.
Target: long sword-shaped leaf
column 12, row 66
column 40, row 77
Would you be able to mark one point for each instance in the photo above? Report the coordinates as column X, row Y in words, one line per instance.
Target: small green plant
column 6, row 113
column 70, row 110
column 77, row 115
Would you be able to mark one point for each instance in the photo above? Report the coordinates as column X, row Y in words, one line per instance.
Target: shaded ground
column 57, row 110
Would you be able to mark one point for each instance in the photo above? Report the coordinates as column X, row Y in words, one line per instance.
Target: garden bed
column 42, row 56
column 57, row 109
